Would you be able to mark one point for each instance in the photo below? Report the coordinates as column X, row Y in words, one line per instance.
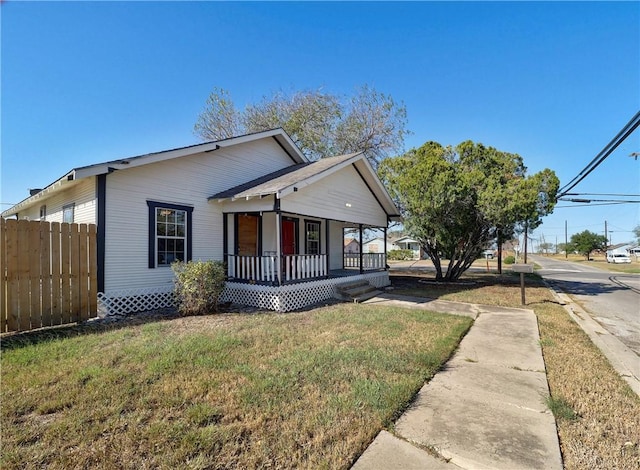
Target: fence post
column 83, row 273
column 35, row 291
column 65, row 281
column 93, row 270
column 23, row 276
column 75, row 272
column 56, row 286
column 45, row 272
column 13, row 281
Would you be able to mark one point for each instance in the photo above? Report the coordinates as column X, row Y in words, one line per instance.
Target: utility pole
column 566, row 243
column 526, row 234
column 606, row 235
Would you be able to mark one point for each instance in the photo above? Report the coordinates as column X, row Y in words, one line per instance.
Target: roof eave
column 52, row 188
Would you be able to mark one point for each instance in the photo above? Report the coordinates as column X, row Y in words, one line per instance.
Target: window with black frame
column 312, row 237
column 171, row 235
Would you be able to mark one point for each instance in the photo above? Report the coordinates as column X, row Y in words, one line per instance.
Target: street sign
column 522, row 268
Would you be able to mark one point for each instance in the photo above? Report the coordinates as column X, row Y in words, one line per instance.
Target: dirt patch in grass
column 300, row 390
column 598, row 415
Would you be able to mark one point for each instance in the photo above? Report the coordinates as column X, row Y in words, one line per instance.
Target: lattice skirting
column 279, row 298
column 125, row 302
column 295, row 296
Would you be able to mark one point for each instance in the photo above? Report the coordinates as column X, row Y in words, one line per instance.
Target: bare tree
column 321, row 124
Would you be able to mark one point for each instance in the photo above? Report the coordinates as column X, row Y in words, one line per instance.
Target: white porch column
column 327, row 234
column 278, row 248
column 360, row 230
column 384, row 232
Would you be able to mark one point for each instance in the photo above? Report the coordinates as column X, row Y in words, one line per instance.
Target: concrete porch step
column 357, row 291
column 367, row 296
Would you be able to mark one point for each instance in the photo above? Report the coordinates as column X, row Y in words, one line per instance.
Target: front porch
column 272, row 247
column 281, row 298
column 283, row 243
column 297, row 295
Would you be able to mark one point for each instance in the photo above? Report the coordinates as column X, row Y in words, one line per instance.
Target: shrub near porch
column 305, row 390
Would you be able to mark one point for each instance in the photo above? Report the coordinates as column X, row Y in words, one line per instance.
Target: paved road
column 612, row 299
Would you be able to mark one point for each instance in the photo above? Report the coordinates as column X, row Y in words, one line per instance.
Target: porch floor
column 350, row 272
column 333, row 273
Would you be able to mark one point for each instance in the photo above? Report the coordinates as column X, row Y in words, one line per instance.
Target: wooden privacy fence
column 47, row 274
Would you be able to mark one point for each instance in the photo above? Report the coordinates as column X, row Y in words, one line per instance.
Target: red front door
column 288, row 237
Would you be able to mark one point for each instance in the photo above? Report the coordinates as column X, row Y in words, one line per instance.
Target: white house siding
column 187, row 181
column 269, row 233
column 82, row 193
column 345, row 197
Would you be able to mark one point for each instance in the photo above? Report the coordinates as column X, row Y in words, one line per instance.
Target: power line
column 591, row 205
column 601, row 194
column 588, row 201
column 604, row 153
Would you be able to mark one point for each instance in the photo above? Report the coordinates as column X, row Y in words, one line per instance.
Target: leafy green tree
column 636, row 232
column 585, row 242
column 321, row 124
column 545, row 247
column 457, row 200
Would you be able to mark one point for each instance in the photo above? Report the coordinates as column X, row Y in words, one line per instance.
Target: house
column 620, row 253
column 254, row 201
column 351, row 245
column 377, row 245
column 408, row 243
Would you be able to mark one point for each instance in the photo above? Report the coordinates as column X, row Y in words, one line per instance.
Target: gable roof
column 405, row 239
column 617, row 246
column 282, row 183
column 279, row 135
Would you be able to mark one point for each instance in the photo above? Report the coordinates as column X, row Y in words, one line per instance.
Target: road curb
column 621, row 358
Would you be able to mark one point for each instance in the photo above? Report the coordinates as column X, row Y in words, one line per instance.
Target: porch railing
column 369, row 260
column 264, row 268
column 252, row 268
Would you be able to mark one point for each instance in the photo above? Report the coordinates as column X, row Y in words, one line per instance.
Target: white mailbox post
column 522, row 269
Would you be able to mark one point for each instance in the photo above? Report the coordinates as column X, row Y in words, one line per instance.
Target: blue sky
column 84, row 82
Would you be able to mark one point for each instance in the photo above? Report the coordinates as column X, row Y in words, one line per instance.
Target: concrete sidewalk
column 485, row 410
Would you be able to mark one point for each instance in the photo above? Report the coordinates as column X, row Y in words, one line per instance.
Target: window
column 67, row 213
column 169, row 233
column 312, row 237
column 171, row 230
column 43, row 212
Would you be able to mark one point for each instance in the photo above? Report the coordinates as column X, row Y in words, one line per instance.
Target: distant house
column 351, row 245
column 408, row 243
column 377, row 245
column 620, row 253
column 620, row 249
column 255, row 202
column 634, row 250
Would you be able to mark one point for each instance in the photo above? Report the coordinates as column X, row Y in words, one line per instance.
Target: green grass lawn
column 303, row 390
